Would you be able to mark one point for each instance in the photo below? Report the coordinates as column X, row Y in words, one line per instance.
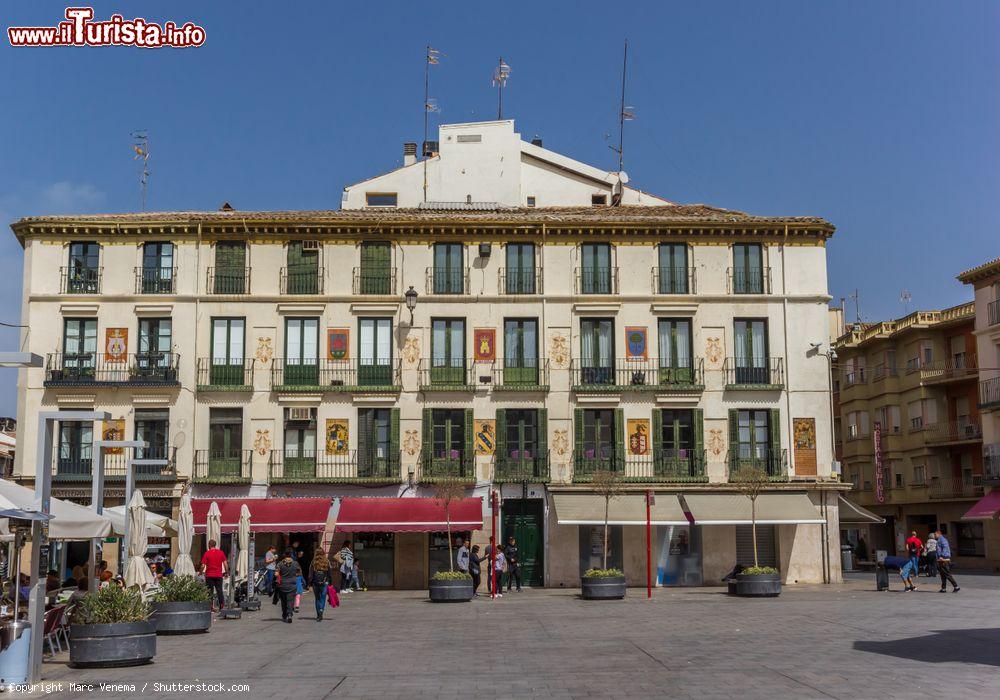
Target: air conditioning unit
column 310, row 245
column 300, row 414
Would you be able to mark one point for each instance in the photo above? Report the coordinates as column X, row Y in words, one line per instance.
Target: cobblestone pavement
column 839, row 641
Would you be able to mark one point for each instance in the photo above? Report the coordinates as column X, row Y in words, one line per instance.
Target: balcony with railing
column 80, row 280
column 668, row 467
column 741, row 281
column 761, row 374
column 302, row 281
column 772, row 462
column 883, row 371
column 958, row 368
column 674, row 280
column 223, row 375
column 447, row 280
column 520, row 375
column 336, row 376
column 155, row 280
column 521, row 281
column 311, row 466
column 685, row 375
column 378, row 281
column 989, row 393
column 454, row 466
column 591, row 280
column 453, row 374
column 957, row 432
column 521, row 466
column 77, row 465
column 991, row 463
column 228, row 280
column 222, row 466
column 966, row 486
column 993, row 313
column 99, row 369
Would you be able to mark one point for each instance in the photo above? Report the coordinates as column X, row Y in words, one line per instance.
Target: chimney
column 537, row 141
column 409, row 153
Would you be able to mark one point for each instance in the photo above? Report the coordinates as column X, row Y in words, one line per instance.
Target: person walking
column 270, row 563
column 319, row 579
column 911, row 568
column 462, row 559
column 287, row 573
column 474, row 570
column 499, row 566
column 214, row 566
column 345, row 558
column 930, row 554
column 513, row 564
column 944, row 563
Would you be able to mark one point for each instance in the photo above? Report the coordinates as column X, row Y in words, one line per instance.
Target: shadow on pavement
column 974, row 646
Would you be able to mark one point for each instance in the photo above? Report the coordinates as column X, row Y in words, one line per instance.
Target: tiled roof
column 980, row 271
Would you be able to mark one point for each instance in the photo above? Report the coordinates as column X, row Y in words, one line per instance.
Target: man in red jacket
column 213, row 566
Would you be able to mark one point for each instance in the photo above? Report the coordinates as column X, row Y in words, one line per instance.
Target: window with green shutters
column 375, row 352
column 378, row 443
column 676, row 366
column 299, row 458
column 448, row 351
column 228, row 347
column 673, row 268
column 230, row 268
column 448, row 443
column 755, row 441
column 678, row 444
column 376, row 268
column 449, row 268
column 225, row 435
column 595, row 270
column 520, row 274
column 748, row 268
column 303, row 269
column 521, row 451
column 597, row 351
column 79, row 347
column 301, row 352
column 600, row 441
column 520, row 351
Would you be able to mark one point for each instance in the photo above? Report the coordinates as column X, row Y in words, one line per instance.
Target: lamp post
column 411, row 301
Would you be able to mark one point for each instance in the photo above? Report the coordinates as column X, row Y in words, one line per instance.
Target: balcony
column 958, row 368
column 993, row 313
column 336, row 376
column 883, row 371
column 991, row 463
column 375, row 282
column 989, row 393
column 521, row 375
column 740, row 281
column 98, row 369
column 224, row 376
column 453, row 467
column 638, row 375
column 591, row 280
column 301, row 466
column 222, row 466
column 946, row 487
column 77, row 467
column 669, row 467
column 228, row 280
column 302, row 281
column 155, row 280
column 774, row 463
column 520, row 467
column 521, row 281
column 754, row 374
column 854, row 378
column 447, row 280
column 74, row 280
column 453, row 374
column 674, row 280
column 958, row 432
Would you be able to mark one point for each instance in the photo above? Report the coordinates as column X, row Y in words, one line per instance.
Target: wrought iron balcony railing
column 80, row 280
column 520, row 375
column 96, row 369
column 453, row 374
column 993, row 312
column 78, row 464
column 447, row 280
column 521, row 281
column 741, row 281
column 352, row 376
column 155, row 280
column 773, row 462
column 637, row 375
column 445, row 467
column 594, row 280
column 302, row 280
column 991, row 463
column 310, row 466
column 228, row 280
column 375, row 281
column 967, row 430
column 964, row 366
column 674, row 280
column 222, row 466
column 224, row 375
column 967, row 486
column 666, row 467
column 754, row 372
column 521, row 465
column 989, row 393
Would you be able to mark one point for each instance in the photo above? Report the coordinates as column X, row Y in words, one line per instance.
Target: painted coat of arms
column 116, row 344
column 638, row 437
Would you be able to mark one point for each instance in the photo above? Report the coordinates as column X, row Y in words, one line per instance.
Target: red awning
column 986, row 509
column 266, row 514
column 407, row 515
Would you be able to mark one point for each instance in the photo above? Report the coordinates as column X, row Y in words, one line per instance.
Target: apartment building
column 495, row 313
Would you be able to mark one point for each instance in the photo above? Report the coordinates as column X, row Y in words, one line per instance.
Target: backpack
column 911, row 547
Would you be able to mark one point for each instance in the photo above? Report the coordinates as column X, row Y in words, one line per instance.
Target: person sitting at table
column 52, row 581
column 25, row 584
column 81, row 590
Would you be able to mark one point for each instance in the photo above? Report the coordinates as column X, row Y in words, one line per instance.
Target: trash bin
column 15, row 643
column 846, row 558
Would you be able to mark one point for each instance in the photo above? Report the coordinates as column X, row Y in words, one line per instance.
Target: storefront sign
column 116, row 344
column 337, row 441
column 879, row 476
column 635, row 342
column 484, row 341
column 486, row 436
column 638, row 436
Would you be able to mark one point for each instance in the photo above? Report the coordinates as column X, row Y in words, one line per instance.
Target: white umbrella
column 243, row 532
column 185, row 533
column 137, row 572
column 70, row 521
column 213, row 525
column 157, row 525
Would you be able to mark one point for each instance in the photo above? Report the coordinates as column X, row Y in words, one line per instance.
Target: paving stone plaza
column 838, row 641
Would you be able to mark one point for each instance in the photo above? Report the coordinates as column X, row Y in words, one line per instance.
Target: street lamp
column 411, row 301
column 21, row 359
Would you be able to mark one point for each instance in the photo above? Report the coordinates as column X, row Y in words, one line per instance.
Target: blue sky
column 881, row 117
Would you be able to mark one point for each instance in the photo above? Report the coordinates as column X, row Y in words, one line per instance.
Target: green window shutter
column 501, row 447
column 470, row 437
column 543, row 432
column 620, row 437
column 366, row 435
column 698, row 416
column 394, row 433
column 774, row 423
column 734, row 431
column 578, row 431
column 295, row 254
column 428, row 430
column 657, row 432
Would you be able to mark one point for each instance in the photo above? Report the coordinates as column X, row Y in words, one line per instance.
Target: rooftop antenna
column 500, row 75
column 857, row 305
column 432, row 59
column 141, row 148
column 625, row 113
column 905, row 297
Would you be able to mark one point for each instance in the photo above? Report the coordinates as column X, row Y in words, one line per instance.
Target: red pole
column 493, row 543
column 649, row 550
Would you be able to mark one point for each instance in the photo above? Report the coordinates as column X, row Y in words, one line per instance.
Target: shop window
column 969, row 540
column 592, row 547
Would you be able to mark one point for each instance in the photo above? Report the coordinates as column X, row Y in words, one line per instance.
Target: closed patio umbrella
column 137, row 572
column 243, row 533
column 70, row 521
column 213, row 525
column 157, row 525
column 183, row 566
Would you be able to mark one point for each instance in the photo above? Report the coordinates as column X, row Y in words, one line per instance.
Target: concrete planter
column 450, row 590
column 603, row 587
column 757, row 585
column 182, row 617
column 109, row 646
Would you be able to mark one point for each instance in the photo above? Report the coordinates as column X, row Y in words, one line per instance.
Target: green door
column 522, row 518
column 376, row 273
column 230, row 268
column 448, row 351
column 303, row 269
column 375, row 352
column 520, row 348
column 227, row 352
column 302, row 352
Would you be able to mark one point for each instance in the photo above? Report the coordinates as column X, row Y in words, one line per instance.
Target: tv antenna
column 626, row 113
column 500, row 76
column 856, row 296
column 140, row 146
column 432, row 58
column 905, row 297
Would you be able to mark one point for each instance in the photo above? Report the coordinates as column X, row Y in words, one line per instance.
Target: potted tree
column 183, row 605
column 111, row 628
column 450, row 586
column 605, row 583
column 755, row 581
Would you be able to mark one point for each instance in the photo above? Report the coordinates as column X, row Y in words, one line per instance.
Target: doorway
column 522, row 519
